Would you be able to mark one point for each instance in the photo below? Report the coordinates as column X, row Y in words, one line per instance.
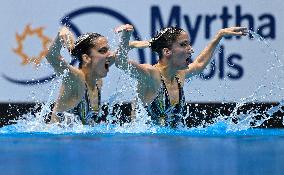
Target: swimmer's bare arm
column 204, row 58
column 67, row 99
column 64, row 38
column 70, row 94
column 70, row 91
column 132, row 44
column 73, row 77
column 137, row 70
column 139, row 44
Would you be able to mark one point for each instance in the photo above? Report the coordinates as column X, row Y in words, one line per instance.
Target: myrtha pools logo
column 45, row 41
column 227, row 65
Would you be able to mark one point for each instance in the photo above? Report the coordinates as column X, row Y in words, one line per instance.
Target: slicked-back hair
column 164, row 39
column 83, row 45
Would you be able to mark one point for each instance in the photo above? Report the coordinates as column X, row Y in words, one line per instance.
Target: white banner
column 245, row 67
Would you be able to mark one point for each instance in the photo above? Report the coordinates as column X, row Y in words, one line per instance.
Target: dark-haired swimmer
column 80, row 92
column 160, row 86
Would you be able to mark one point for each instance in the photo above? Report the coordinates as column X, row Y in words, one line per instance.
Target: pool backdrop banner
column 243, row 66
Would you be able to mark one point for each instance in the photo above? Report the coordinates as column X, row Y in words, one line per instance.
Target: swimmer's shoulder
column 153, row 71
column 150, row 67
column 74, row 76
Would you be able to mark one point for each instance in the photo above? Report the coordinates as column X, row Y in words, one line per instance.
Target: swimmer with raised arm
column 160, row 86
column 80, row 92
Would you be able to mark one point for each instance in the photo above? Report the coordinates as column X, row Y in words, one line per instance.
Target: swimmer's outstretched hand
column 66, row 38
column 233, row 31
column 127, row 30
column 124, row 28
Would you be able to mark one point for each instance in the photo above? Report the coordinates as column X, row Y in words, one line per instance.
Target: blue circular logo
column 67, row 20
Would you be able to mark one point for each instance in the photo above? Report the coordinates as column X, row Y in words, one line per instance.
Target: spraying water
column 141, row 123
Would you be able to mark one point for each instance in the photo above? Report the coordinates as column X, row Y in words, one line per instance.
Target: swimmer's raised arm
column 137, row 70
column 64, row 38
column 139, row 44
column 203, row 59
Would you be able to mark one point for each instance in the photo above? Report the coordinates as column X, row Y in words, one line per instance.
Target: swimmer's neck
column 167, row 71
column 91, row 79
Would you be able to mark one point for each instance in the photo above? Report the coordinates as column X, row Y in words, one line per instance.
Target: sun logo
column 21, row 38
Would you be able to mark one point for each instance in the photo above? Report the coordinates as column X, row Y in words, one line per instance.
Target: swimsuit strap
column 87, row 97
column 166, row 93
column 85, row 104
column 181, row 92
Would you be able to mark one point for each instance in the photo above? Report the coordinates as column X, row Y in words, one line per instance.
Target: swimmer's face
column 181, row 51
column 100, row 57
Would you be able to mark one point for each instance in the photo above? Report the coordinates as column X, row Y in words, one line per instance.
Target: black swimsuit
column 87, row 114
column 160, row 109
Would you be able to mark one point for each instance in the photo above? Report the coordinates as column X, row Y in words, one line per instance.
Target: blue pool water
column 254, row 151
column 32, row 147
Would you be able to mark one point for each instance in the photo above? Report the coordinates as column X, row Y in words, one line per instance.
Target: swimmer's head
column 164, row 39
column 83, row 45
column 94, row 55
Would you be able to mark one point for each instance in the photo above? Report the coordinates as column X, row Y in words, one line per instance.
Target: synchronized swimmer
column 160, row 86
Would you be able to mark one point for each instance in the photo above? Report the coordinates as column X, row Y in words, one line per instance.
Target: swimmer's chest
column 172, row 90
column 93, row 96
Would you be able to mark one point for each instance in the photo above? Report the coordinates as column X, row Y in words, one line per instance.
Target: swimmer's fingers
column 67, row 38
column 234, row 31
column 238, row 28
column 241, row 30
column 126, row 27
column 239, row 33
